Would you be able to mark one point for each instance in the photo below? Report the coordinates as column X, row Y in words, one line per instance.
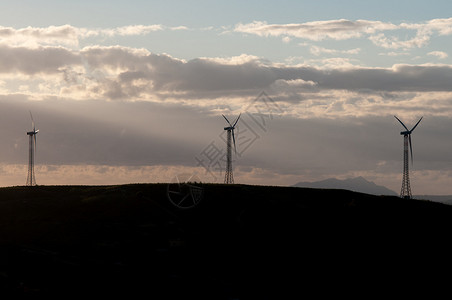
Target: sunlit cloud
column 120, row 31
column 439, row 54
column 375, row 31
column 393, row 53
column 179, row 28
column 317, row 30
column 421, row 39
column 70, row 36
column 316, row 50
column 125, row 73
column 35, row 36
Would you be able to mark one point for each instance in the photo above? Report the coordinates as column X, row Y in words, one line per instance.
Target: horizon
column 134, row 92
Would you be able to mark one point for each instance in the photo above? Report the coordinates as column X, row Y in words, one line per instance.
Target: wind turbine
column 229, row 178
column 405, row 191
column 31, row 180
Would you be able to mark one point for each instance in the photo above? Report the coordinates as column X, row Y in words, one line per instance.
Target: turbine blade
column 411, row 148
column 189, row 179
column 34, row 135
column 32, row 121
column 227, row 120
column 237, row 120
column 233, row 138
column 416, row 124
column 401, row 123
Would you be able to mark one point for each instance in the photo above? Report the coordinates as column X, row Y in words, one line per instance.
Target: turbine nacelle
column 231, row 128
column 33, row 132
column 407, row 133
column 33, row 125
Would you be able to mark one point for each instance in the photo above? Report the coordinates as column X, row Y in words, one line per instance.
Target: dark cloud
column 206, row 78
column 399, row 78
column 125, row 73
column 31, row 61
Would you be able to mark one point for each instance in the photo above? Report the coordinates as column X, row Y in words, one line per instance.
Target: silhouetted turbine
column 31, row 180
column 229, row 178
column 405, row 191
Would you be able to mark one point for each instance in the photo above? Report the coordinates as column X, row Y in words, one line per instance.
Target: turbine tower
column 229, row 178
column 405, row 191
column 31, row 180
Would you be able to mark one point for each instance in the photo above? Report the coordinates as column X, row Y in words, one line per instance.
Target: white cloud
column 442, row 26
column 70, row 35
column 179, row 28
column 424, row 32
column 392, row 53
column 439, row 54
column 316, row 31
column 299, row 82
column 343, row 29
column 316, row 50
column 286, row 39
column 34, row 36
column 234, row 60
column 121, row 31
column 421, row 39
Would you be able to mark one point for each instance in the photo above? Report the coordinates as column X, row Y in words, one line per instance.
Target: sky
column 133, row 91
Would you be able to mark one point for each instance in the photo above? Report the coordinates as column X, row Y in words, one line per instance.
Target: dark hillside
column 240, row 242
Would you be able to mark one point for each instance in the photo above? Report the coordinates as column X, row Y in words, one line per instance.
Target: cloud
column 316, row 50
column 31, row 61
column 71, row 36
column 442, row 26
column 392, row 53
column 136, row 74
column 319, row 30
column 421, row 39
column 206, row 77
column 121, row 31
column 439, row 54
column 179, row 28
column 397, row 78
column 34, row 36
column 342, row 29
column 286, row 39
column 234, row 60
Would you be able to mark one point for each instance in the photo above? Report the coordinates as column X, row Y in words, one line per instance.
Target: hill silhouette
column 240, row 242
column 446, row 199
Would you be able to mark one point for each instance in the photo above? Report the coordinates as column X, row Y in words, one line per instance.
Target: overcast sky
column 133, row 91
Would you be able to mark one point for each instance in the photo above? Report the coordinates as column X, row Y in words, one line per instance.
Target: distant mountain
column 358, row 184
